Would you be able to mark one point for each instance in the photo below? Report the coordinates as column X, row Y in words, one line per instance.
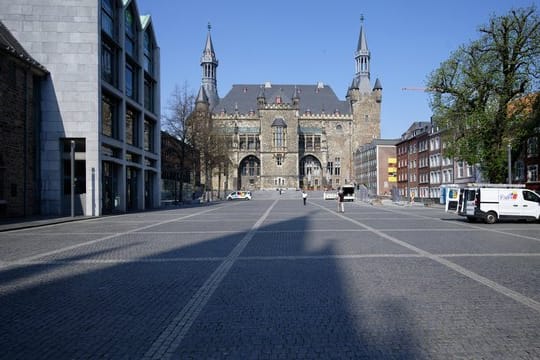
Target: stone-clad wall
column 17, row 139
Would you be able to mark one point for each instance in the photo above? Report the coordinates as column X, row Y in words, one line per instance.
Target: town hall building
column 293, row 135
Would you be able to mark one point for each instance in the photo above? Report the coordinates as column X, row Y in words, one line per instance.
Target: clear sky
column 307, row 41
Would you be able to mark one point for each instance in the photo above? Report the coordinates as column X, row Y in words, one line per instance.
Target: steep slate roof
column 10, row 45
column 414, row 128
column 315, row 98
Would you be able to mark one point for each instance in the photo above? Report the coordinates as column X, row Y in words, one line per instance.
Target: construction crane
column 415, row 89
column 424, row 89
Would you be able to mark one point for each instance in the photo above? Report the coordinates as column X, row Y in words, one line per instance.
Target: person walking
column 304, row 196
column 341, row 199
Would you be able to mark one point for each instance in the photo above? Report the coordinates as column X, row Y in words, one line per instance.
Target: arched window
column 310, row 166
column 250, row 166
column 279, row 133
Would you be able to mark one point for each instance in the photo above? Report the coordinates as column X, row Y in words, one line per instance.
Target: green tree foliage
column 473, row 90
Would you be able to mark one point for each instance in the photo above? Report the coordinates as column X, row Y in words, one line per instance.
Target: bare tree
column 181, row 105
column 209, row 143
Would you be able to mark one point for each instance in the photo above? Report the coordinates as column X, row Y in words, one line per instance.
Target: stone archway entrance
column 311, row 175
column 249, row 173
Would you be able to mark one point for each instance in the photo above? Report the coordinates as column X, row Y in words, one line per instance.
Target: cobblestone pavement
column 272, row 279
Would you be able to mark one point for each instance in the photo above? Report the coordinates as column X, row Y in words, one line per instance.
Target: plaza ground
column 270, row 278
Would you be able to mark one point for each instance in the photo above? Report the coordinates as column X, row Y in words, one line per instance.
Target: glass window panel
column 108, row 117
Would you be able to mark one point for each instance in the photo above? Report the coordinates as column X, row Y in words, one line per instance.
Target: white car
column 239, row 195
column 329, row 195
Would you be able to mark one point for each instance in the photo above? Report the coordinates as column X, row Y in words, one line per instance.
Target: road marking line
column 471, row 226
column 15, row 263
column 169, row 340
column 271, row 257
column 471, row 275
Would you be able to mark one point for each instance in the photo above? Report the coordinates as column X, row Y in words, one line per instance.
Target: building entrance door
column 110, row 197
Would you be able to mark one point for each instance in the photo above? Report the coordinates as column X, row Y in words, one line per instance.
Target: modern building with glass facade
column 101, row 97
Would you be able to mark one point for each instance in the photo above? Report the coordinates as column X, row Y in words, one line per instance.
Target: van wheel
column 491, row 218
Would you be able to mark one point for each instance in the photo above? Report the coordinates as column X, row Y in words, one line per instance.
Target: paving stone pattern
column 272, row 279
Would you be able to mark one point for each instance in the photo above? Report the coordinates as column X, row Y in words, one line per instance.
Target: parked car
column 239, row 195
column 330, row 195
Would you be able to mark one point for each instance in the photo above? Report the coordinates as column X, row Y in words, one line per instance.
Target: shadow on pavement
column 96, row 305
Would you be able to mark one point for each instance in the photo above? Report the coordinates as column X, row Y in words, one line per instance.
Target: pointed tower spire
column 209, row 64
column 362, row 57
column 201, row 102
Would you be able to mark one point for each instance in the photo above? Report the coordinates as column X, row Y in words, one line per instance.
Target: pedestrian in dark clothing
column 341, row 200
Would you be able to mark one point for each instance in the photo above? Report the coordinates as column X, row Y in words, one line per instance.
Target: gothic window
column 279, row 133
column 250, row 167
column 253, row 142
column 309, row 143
column 301, row 142
column 279, row 160
column 337, row 166
column 317, row 143
column 279, row 137
column 330, row 168
column 310, row 166
column 243, row 142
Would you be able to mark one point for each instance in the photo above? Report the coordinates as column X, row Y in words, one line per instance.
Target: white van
column 494, row 203
column 348, row 192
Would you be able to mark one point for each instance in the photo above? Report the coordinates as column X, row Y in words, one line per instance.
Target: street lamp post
column 509, row 163
column 72, row 158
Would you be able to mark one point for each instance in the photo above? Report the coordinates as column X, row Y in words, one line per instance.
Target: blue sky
column 304, row 42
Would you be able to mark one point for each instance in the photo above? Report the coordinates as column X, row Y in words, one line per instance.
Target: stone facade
column 20, row 77
column 294, row 136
